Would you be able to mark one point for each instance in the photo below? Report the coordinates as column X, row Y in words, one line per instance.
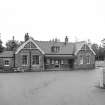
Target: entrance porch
column 57, row 63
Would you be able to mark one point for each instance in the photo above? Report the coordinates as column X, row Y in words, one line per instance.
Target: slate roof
column 69, row 48
column 64, row 49
column 45, row 46
column 6, row 54
column 78, row 45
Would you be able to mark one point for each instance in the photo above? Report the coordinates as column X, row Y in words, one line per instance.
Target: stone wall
column 38, row 67
column 83, row 53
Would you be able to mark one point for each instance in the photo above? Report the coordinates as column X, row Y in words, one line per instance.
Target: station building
column 33, row 55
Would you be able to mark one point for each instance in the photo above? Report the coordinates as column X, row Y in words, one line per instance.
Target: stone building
column 33, row 55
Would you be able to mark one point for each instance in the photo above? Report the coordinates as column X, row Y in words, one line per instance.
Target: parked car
column 18, row 70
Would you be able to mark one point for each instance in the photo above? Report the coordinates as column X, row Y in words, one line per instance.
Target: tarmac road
column 51, row 88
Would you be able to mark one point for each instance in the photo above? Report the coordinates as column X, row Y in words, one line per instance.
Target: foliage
column 12, row 45
column 1, row 47
column 99, row 50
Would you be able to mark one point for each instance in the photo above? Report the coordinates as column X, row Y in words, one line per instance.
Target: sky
column 48, row 19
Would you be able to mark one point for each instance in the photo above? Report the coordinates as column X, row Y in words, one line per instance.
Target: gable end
column 30, row 44
column 83, row 47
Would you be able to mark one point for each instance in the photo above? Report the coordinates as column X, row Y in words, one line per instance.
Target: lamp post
column 30, row 59
column 30, row 66
column 14, row 58
column 13, row 47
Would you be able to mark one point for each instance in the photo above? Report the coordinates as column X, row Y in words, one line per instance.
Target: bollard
column 101, row 78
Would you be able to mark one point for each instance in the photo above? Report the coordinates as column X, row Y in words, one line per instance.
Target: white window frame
column 8, row 62
column 62, row 61
column 81, row 60
column 52, row 61
column 35, row 62
column 47, row 61
column 22, row 60
column 88, row 55
column 56, row 62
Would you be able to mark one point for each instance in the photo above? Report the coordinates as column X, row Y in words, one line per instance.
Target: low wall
column 84, row 66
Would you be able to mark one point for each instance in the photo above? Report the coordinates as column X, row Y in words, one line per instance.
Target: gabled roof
column 30, row 40
column 6, row 54
column 79, row 45
column 45, row 47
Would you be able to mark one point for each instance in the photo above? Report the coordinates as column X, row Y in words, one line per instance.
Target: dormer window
column 55, row 48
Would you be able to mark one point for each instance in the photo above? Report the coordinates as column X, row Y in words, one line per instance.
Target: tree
column 95, row 48
column 1, row 47
column 103, row 46
column 101, row 53
column 103, row 42
column 12, row 44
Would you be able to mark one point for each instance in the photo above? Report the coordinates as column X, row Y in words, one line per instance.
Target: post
column 14, row 58
column 13, row 46
column 30, row 58
column 43, row 63
column 101, row 78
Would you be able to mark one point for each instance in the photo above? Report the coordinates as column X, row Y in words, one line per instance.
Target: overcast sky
column 48, row 19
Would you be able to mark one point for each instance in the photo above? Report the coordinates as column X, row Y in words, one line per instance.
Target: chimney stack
column 26, row 37
column 89, row 43
column 66, row 40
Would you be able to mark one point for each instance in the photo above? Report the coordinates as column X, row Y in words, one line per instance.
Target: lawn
column 51, row 88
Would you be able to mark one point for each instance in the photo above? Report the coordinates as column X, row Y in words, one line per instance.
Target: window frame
column 52, row 61
column 62, row 61
column 48, row 61
column 56, row 62
column 88, row 59
column 34, row 58
column 26, row 62
column 5, row 62
column 55, row 49
column 81, row 61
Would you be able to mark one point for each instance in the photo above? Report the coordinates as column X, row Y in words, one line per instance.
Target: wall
column 39, row 67
column 77, row 64
column 6, row 68
column 64, row 66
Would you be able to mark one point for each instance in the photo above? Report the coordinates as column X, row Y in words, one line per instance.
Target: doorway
column 57, row 63
column 71, row 63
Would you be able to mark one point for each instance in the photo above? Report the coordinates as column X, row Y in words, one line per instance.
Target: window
column 56, row 62
column 35, row 59
column 81, row 59
column 48, row 61
column 24, row 60
column 88, row 59
column 1, row 62
column 62, row 61
column 52, row 61
column 55, row 48
column 6, row 62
